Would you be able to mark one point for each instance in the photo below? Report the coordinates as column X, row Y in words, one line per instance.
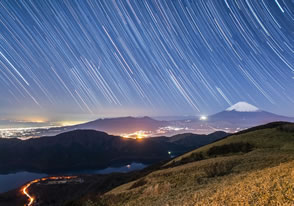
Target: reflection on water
column 127, row 168
column 14, row 180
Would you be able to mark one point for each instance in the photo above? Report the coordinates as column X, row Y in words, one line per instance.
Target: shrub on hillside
column 219, row 169
column 138, row 183
column 230, row 148
column 287, row 128
column 195, row 156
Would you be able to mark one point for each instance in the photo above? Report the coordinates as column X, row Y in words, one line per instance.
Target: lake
column 15, row 180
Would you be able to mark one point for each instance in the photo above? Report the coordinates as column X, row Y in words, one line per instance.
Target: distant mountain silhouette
column 245, row 119
column 196, row 140
column 123, row 124
column 236, row 118
column 89, row 149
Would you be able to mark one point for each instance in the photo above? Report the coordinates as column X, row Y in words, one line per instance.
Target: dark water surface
column 15, row 180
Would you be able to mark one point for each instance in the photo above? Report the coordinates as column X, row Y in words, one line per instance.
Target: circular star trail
column 127, row 57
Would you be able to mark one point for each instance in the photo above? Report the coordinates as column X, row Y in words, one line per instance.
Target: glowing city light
column 137, row 135
column 203, row 118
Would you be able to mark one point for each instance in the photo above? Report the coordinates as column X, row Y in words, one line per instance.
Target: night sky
column 84, row 59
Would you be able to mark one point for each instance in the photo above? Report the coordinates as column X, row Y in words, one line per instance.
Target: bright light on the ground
column 137, row 135
column 203, row 117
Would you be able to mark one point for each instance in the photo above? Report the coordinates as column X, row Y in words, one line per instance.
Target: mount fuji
column 240, row 116
column 243, row 107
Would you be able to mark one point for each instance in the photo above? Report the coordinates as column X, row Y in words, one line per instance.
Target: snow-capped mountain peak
column 243, row 107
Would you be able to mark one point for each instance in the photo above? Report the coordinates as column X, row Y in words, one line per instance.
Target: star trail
column 67, row 60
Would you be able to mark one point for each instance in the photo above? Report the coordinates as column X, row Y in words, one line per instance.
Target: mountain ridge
column 90, row 149
column 233, row 119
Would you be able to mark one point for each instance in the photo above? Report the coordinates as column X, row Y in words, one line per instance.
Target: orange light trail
column 31, row 199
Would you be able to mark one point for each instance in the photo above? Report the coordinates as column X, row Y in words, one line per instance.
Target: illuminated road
column 25, row 188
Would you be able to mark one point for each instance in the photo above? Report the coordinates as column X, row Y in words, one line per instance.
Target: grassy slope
column 263, row 176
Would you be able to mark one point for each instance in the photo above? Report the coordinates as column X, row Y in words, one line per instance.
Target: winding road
column 30, row 197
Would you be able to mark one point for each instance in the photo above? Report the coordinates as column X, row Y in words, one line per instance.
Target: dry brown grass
column 262, row 139
column 247, row 183
column 270, row 186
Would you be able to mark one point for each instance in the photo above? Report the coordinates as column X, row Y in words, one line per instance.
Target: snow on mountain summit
column 243, row 107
